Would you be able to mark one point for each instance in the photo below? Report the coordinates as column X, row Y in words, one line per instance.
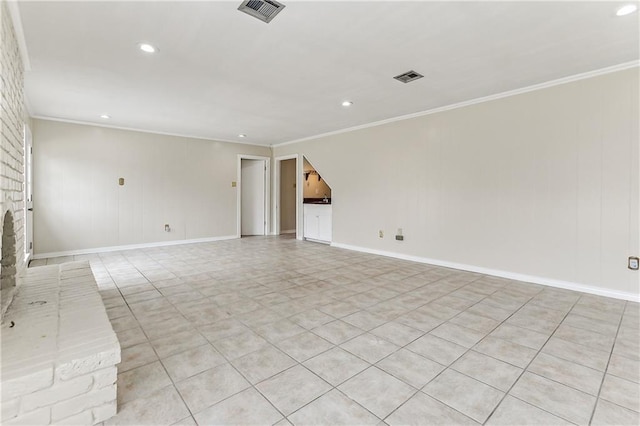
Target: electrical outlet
column 633, row 263
column 167, row 228
column 399, row 231
column 381, row 233
column 400, row 237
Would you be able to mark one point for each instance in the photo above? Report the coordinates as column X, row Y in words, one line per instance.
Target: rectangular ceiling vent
column 408, row 76
column 264, row 10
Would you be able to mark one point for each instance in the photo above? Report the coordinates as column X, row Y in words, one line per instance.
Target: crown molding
column 539, row 86
column 133, row 129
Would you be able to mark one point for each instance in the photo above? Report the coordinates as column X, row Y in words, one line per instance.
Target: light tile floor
column 270, row 330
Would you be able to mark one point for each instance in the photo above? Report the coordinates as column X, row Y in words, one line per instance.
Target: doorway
column 286, row 195
column 253, row 185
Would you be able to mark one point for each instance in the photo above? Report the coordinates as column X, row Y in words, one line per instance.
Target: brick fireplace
column 8, row 261
column 59, row 351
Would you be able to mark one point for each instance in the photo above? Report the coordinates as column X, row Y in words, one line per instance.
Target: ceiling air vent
column 264, row 10
column 408, row 76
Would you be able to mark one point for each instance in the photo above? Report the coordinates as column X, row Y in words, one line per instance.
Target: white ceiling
column 220, row 72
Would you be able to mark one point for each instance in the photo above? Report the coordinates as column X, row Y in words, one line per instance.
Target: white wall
column 544, row 184
column 79, row 205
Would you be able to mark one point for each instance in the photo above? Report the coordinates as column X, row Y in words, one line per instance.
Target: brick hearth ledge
column 59, row 351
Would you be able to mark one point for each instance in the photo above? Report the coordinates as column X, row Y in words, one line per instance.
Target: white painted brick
column 26, row 384
column 105, row 377
column 9, row 409
column 38, row 417
column 60, row 391
column 72, row 329
column 11, row 177
column 105, row 412
column 84, row 418
column 83, row 402
column 89, row 363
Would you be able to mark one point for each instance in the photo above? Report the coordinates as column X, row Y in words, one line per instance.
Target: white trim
column 131, row 247
column 267, row 192
column 133, row 129
column 498, row 273
column 276, row 194
column 16, row 20
column 313, row 240
column 540, row 86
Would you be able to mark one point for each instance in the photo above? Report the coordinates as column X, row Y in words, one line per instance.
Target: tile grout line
column 335, row 289
column 446, row 367
column 525, row 369
column 604, row 375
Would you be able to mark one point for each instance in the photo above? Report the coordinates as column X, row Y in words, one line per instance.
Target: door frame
column 267, row 192
column 28, row 193
column 276, row 192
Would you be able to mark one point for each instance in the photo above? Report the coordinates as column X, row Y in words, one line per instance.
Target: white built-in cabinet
column 317, row 222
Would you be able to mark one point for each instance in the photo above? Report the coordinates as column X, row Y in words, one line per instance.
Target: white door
column 28, row 196
column 252, row 202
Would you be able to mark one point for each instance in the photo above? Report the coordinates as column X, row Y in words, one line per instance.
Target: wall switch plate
column 633, row 263
column 233, row 184
column 121, row 181
column 400, row 237
column 381, row 234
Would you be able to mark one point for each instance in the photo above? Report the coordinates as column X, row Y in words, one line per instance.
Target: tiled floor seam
column 420, row 391
column 253, row 386
column 119, row 266
column 330, row 390
column 604, row 376
column 525, row 369
column 163, row 367
column 463, row 354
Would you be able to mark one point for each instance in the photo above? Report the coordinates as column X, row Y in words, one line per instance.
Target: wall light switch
column 633, row 263
column 234, row 184
column 121, row 181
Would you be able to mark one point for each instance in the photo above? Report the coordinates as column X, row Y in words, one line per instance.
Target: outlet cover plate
column 633, row 263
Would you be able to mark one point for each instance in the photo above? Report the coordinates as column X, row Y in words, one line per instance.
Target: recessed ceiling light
column 627, row 9
column 146, row 47
column 105, row 116
column 242, row 135
column 347, row 103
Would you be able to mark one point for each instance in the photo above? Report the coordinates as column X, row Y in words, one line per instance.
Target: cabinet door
column 324, row 228
column 311, row 226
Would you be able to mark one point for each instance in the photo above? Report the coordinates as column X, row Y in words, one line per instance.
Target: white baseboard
column 131, row 247
column 317, row 241
column 567, row 285
column 288, row 231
